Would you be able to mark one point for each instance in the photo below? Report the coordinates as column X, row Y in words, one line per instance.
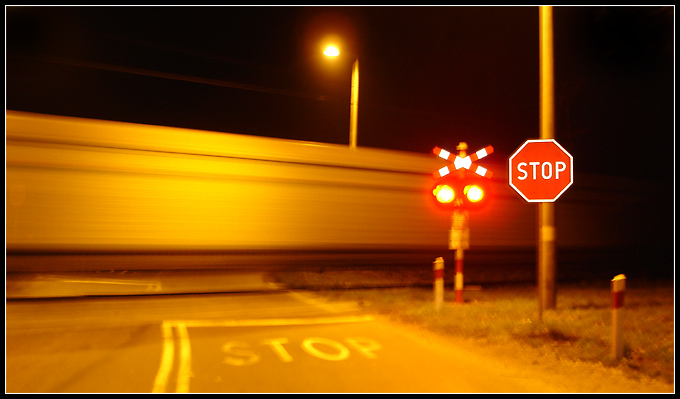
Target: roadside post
column 618, row 291
column 438, row 267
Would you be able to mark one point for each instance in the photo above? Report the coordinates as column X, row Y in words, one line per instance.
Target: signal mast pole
column 460, row 234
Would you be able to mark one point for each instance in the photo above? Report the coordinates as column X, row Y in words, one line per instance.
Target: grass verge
column 503, row 316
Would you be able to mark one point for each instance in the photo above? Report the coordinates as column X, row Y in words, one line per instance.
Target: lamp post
column 332, row 51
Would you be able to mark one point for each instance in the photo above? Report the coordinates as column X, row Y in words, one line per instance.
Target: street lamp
column 332, row 51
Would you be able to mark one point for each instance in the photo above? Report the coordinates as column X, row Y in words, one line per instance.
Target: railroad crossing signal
column 460, row 190
column 464, row 189
column 540, row 170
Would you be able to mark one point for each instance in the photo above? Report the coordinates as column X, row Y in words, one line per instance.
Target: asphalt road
column 262, row 340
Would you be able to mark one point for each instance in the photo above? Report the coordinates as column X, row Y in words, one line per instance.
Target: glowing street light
column 332, row 51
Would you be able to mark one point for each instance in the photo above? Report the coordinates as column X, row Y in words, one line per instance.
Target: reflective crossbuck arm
column 481, row 153
column 481, row 171
column 441, row 153
column 442, row 172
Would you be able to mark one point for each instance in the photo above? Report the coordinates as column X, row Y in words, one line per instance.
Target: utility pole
column 546, row 210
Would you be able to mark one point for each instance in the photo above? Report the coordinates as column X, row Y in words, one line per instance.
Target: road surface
column 243, row 334
column 264, row 340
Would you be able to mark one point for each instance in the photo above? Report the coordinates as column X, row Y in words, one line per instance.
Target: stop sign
column 540, row 170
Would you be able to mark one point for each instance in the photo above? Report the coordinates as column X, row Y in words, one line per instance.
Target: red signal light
column 474, row 193
column 444, row 194
column 467, row 193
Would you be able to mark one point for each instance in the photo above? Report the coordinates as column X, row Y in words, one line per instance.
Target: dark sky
column 429, row 76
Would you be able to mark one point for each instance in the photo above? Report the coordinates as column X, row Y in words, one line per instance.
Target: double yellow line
column 168, row 358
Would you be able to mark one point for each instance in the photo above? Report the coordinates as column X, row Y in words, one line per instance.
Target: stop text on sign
column 546, row 170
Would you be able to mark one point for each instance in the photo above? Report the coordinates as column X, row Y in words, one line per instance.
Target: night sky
column 429, row 76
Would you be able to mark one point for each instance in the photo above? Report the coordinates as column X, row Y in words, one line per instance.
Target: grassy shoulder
column 505, row 317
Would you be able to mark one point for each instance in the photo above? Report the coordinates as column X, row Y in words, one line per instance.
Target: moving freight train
column 91, row 187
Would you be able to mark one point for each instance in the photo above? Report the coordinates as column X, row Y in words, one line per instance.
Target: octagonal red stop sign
column 541, row 170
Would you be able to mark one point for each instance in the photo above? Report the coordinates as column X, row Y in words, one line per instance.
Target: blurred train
column 120, row 194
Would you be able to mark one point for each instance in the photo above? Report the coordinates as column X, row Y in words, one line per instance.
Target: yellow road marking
column 184, row 368
column 165, row 368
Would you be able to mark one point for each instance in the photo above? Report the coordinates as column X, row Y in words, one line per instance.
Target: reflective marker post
column 618, row 291
column 438, row 267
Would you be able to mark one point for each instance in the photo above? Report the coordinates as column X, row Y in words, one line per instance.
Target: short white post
column 438, row 267
column 618, row 291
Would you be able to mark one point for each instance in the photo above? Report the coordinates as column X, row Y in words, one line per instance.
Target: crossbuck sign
column 466, row 162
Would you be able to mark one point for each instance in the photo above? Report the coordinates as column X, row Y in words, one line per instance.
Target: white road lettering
column 338, row 351
column 238, row 354
column 277, row 346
